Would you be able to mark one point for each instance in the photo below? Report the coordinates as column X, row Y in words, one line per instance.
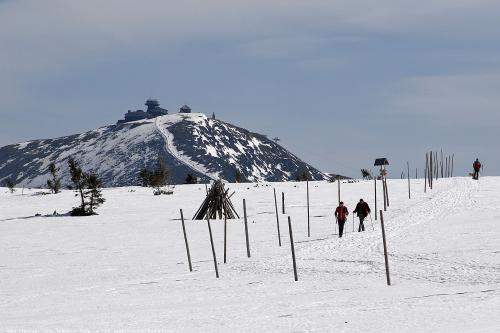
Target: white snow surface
column 126, row 269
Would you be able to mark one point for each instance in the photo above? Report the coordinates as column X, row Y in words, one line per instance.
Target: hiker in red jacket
column 477, row 167
column 362, row 210
column 341, row 214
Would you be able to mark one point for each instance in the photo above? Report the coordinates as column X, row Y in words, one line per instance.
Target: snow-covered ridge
column 187, row 143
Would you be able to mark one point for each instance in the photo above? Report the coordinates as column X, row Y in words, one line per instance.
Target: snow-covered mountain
column 187, row 143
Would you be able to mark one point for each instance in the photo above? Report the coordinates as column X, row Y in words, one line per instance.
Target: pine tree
column 239, row 177
column 160, row 177
column 54, row 184
column 78, row 179
column 366, row 174
column 10, row 184
column 145, row 177
column 191, row 179
column 93, row 193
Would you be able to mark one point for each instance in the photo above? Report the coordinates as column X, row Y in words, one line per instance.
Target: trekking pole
column 352, row 222
column 336, row 222
column 371, row 221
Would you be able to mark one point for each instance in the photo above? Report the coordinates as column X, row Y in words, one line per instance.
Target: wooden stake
column 308, row 216
column 277, row 217
column 292, row 247
column 452, row 160
column 425, row 172
column 213, row 248
column 375, row 181
column 386, row 191
column 246, row 227
column 283, row 202
column 338, row 185
column 225, row 236
column 385, row 250
column 409, row 192
column 186, row 241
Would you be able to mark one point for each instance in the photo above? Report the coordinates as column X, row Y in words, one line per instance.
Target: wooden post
column 206, row 188
column 386, row 191
column 425, row 172
column 283, row 202
column 431, row 170
column 308, row 215
column 442, row 167
column 277, row 217
column 246, row 227
column 452, row 160
column 186, row 242
column 213, row 248
column 383, row 188
column 225, row 236
column 338, row 185
column 416, row 173
column 375, row 180
column 409, row 192
column 385, row 250
column 293, row 249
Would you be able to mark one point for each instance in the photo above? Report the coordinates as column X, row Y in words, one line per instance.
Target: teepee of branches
column 217, row 202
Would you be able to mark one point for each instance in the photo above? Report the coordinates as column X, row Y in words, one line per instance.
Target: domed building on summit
column 154, row 110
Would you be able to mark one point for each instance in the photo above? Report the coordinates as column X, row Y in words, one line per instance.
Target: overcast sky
column 340, row 82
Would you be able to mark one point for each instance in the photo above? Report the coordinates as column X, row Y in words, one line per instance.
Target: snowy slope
column 187, row 143
column 127, row 269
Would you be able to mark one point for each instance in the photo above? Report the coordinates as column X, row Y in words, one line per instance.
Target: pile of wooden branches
column 216, row 203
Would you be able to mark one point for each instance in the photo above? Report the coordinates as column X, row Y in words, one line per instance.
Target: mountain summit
column 188, row 143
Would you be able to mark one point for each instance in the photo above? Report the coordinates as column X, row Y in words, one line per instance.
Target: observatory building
column 154, row 110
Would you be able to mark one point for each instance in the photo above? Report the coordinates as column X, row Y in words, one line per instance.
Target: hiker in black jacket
column 362, row 210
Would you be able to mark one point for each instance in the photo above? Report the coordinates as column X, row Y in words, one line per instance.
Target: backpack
column 341, row 213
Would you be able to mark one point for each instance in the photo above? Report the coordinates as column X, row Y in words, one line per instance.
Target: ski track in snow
column 126, row 268
column 162, row 128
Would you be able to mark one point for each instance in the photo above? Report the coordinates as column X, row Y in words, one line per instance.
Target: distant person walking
column 477, row 168
column 362, row 210
column 341, row 214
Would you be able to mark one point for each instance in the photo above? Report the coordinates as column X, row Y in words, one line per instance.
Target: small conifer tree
column 191, row 179
column 54, row 184
column 10, row 184
column 93, row 192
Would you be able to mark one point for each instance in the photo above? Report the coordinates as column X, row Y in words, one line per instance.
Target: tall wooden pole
column 186, row 242
column 452, row 160
column 283, row 202
column 431, row 169
column 386, row 191
column 409, row 193
column 292, row 247
column 425, row 172
column 442, row 167
column 277, row 217
column 308, row 216
column 375, row 181
column 385, row 250
column 213, row 248
column 338, row 186
column 383, row 188
column 225, row 235
column 246, row 227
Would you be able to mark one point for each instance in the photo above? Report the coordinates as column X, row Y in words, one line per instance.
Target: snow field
column 126, row 269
